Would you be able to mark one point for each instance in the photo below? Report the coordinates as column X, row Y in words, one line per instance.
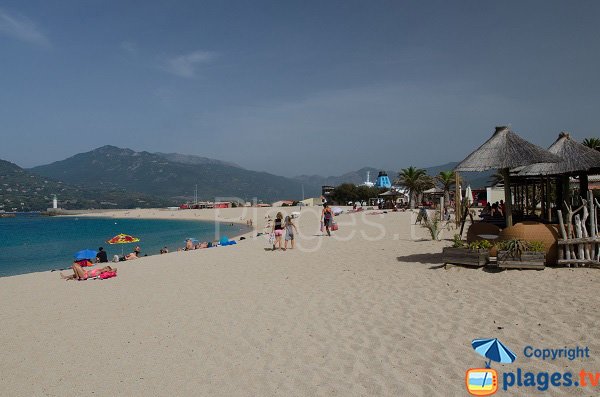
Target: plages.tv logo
column 484, row 381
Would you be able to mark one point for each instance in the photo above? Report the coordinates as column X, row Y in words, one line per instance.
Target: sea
column 30, row 242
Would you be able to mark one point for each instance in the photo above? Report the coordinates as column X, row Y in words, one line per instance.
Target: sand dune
column 369, row 312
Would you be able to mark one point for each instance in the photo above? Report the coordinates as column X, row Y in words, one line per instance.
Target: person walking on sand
column 290, row 230
column 278, row 230
column 327, row 218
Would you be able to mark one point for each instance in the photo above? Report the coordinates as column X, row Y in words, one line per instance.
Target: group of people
column 496, row 210
column 79, row 273
column 283, row 227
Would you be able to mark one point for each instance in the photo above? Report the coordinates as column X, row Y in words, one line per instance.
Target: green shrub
column 536, row 246
column 480, row 244
column 457, row 241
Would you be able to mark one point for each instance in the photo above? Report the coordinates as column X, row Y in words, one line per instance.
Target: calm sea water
column 33, row 243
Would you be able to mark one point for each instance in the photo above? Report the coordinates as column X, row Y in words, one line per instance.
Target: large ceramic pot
column 534, row 231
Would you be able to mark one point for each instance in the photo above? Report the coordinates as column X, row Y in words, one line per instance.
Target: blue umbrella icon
column 85, row 254
column 493, row 349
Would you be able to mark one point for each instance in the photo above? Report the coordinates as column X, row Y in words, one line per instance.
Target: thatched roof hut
column 505, row 149
column 575, row 158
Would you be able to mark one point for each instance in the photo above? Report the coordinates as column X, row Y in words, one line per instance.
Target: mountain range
column 21, row 190
column 112, row 177
column 170, row 175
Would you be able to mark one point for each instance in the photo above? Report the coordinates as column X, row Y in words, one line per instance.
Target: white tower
column 55, row 202
column 368, row 183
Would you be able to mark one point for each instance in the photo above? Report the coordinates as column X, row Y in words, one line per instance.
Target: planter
column 466, row 256
column 527, row 260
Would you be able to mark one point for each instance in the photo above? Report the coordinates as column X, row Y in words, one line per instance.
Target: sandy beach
column 368, row 312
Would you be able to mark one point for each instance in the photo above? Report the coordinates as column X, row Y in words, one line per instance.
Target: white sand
column 368, row 313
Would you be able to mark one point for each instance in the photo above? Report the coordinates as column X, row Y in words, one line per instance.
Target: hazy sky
column 294, row 87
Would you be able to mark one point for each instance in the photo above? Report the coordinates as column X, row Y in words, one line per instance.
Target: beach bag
column 334, row 226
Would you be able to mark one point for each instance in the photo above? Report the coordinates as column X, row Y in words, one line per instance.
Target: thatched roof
column 575, row 158
column 505, row 149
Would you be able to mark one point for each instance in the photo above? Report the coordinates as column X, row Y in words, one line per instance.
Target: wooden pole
column 507, row 197
column 457, row 203
column 543, row 198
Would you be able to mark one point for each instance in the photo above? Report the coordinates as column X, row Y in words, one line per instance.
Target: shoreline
column 118, row 214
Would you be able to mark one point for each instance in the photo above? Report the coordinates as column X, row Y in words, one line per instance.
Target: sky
column 294, row 87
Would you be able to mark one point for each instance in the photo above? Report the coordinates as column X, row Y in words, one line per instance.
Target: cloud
column 22, row 28
column 129, row 47
column 186, row 65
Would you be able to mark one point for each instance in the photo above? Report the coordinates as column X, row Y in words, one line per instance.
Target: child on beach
column 290, row 228
column 278, row 230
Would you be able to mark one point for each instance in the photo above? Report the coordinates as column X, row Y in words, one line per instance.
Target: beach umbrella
column 493, row 350
column 503, row 151
column 469, row 195
column 122, row 239
column 85, row 254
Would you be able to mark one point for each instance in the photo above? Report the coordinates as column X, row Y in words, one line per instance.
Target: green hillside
column 21, row 190
column 154, row 174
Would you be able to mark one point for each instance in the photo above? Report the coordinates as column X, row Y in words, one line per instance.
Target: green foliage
column 514, row 248
column 435, row 225
column 593, row 143
column 416, row 181
column 348, row 192
column 480, row 244
column 457, row 241
column 536, row 246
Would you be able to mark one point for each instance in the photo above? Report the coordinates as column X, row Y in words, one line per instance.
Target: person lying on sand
column 80, row 273
column 134, row 255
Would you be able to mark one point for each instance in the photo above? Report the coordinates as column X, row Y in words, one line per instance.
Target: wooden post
column 548, row 206
column 507, row 197
column 457, row 201
column 578, row 234
column 564, row 234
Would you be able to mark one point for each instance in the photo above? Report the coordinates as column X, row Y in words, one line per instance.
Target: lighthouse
column 54, row 203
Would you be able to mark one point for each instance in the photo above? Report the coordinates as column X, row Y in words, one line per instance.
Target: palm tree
column 416, row 181
column 594, row 143
column 446, row 180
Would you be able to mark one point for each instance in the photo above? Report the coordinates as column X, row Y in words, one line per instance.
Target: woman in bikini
column 80, row 273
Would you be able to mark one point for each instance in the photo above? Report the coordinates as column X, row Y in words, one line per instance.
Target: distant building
column 312, row 202
column 326, row 193
column 282, row 203
column 383, row 180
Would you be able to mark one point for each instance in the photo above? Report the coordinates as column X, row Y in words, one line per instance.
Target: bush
column 480, row 244
column 457, row 241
